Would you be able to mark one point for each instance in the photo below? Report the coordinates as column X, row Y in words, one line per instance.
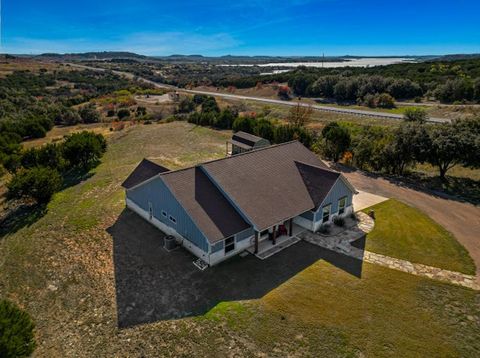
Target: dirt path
column 461, row 219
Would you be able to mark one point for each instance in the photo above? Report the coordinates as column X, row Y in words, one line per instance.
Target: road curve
column 355, row 112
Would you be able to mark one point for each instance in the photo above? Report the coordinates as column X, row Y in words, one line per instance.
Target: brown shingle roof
column 246, row 138
column 318, row 181
column 144, row 171
column 207, row 207
column 266, row 183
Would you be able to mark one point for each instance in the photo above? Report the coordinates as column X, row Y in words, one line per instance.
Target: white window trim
column 329, row 206
column 344, row 207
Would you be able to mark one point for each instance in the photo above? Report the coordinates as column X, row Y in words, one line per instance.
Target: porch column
column 274, row 235
column 290, row 227
column 256, row 242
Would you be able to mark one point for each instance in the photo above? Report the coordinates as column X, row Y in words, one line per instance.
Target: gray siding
column 217, row 247
column 307, row 215
column 339, row 190
column 162, row 199
column 245, row 234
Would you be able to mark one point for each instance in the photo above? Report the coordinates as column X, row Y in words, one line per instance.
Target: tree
column 199, row 98
column 299, row 83
column 410, row 144
column 39, row 183
column 324, row 86
column 384, row 100
column 244, row 124
column 210, row 105
column 124, row 113
column 67, row 116
column 476, row 90
column 264, row 128
column 336, row 139
column 453, row 144
column 49, row 155
column 89, row 114
column 84, row 149
column 404, row 89
column 186, row 105
column 141, row 111
column 226, row 118
column 415, row 115
column 459, row 89
column 299, row 115
column 16, row 331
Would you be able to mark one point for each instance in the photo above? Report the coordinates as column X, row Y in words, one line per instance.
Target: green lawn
column 406, row 233
column 60, row 269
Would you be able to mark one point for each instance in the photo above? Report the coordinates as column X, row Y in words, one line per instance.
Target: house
column 220, row 208
column 243, row 142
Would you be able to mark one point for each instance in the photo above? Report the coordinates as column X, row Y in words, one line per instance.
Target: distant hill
column 106, row 55
column 229, row 59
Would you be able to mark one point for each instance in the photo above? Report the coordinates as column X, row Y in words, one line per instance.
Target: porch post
column 290, row 227
column 274, row 235
column 256, row 242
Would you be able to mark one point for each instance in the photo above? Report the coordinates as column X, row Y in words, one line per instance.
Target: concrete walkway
column 342, row 243
column 363, row 200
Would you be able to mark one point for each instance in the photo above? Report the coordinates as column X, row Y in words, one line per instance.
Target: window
column 164, row 213
column 229, row 244
column 342, row 203
column 326, row 213
column 172, row 219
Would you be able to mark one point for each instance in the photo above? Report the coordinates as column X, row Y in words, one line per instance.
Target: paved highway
column 356, row 112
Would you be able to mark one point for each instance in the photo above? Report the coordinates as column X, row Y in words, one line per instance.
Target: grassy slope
column 406, row 233
column 60, row 269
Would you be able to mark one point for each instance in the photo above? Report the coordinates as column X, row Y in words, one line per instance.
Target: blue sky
column 252, row 27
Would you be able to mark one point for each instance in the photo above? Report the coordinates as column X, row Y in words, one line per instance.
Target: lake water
column 357, row 62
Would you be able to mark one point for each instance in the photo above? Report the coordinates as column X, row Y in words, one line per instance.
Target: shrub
column 89, row 114
column 123, row 114
column 339, row 221
column 16, row 331
column 39, row 183
column 415, row 115
column 324, row 229
column 353, row 216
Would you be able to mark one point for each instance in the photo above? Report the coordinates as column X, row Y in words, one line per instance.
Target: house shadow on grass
column 153, row 284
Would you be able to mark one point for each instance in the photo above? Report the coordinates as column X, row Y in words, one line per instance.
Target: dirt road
column 461, row 219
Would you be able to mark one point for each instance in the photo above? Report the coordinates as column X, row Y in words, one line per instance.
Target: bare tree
column 300, row 115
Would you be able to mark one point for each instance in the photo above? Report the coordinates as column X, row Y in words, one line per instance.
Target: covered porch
column 275, row 239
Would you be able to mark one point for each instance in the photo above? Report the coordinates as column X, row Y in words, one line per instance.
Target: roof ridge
column 317, row 167
column 234, row 156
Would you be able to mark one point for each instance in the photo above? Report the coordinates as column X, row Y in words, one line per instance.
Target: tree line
column 393, row 151
column 32, row 103
column 209, row 114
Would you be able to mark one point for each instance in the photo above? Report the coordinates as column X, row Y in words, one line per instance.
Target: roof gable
column 205, row 204
column 144, row 171
column 319, row 181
